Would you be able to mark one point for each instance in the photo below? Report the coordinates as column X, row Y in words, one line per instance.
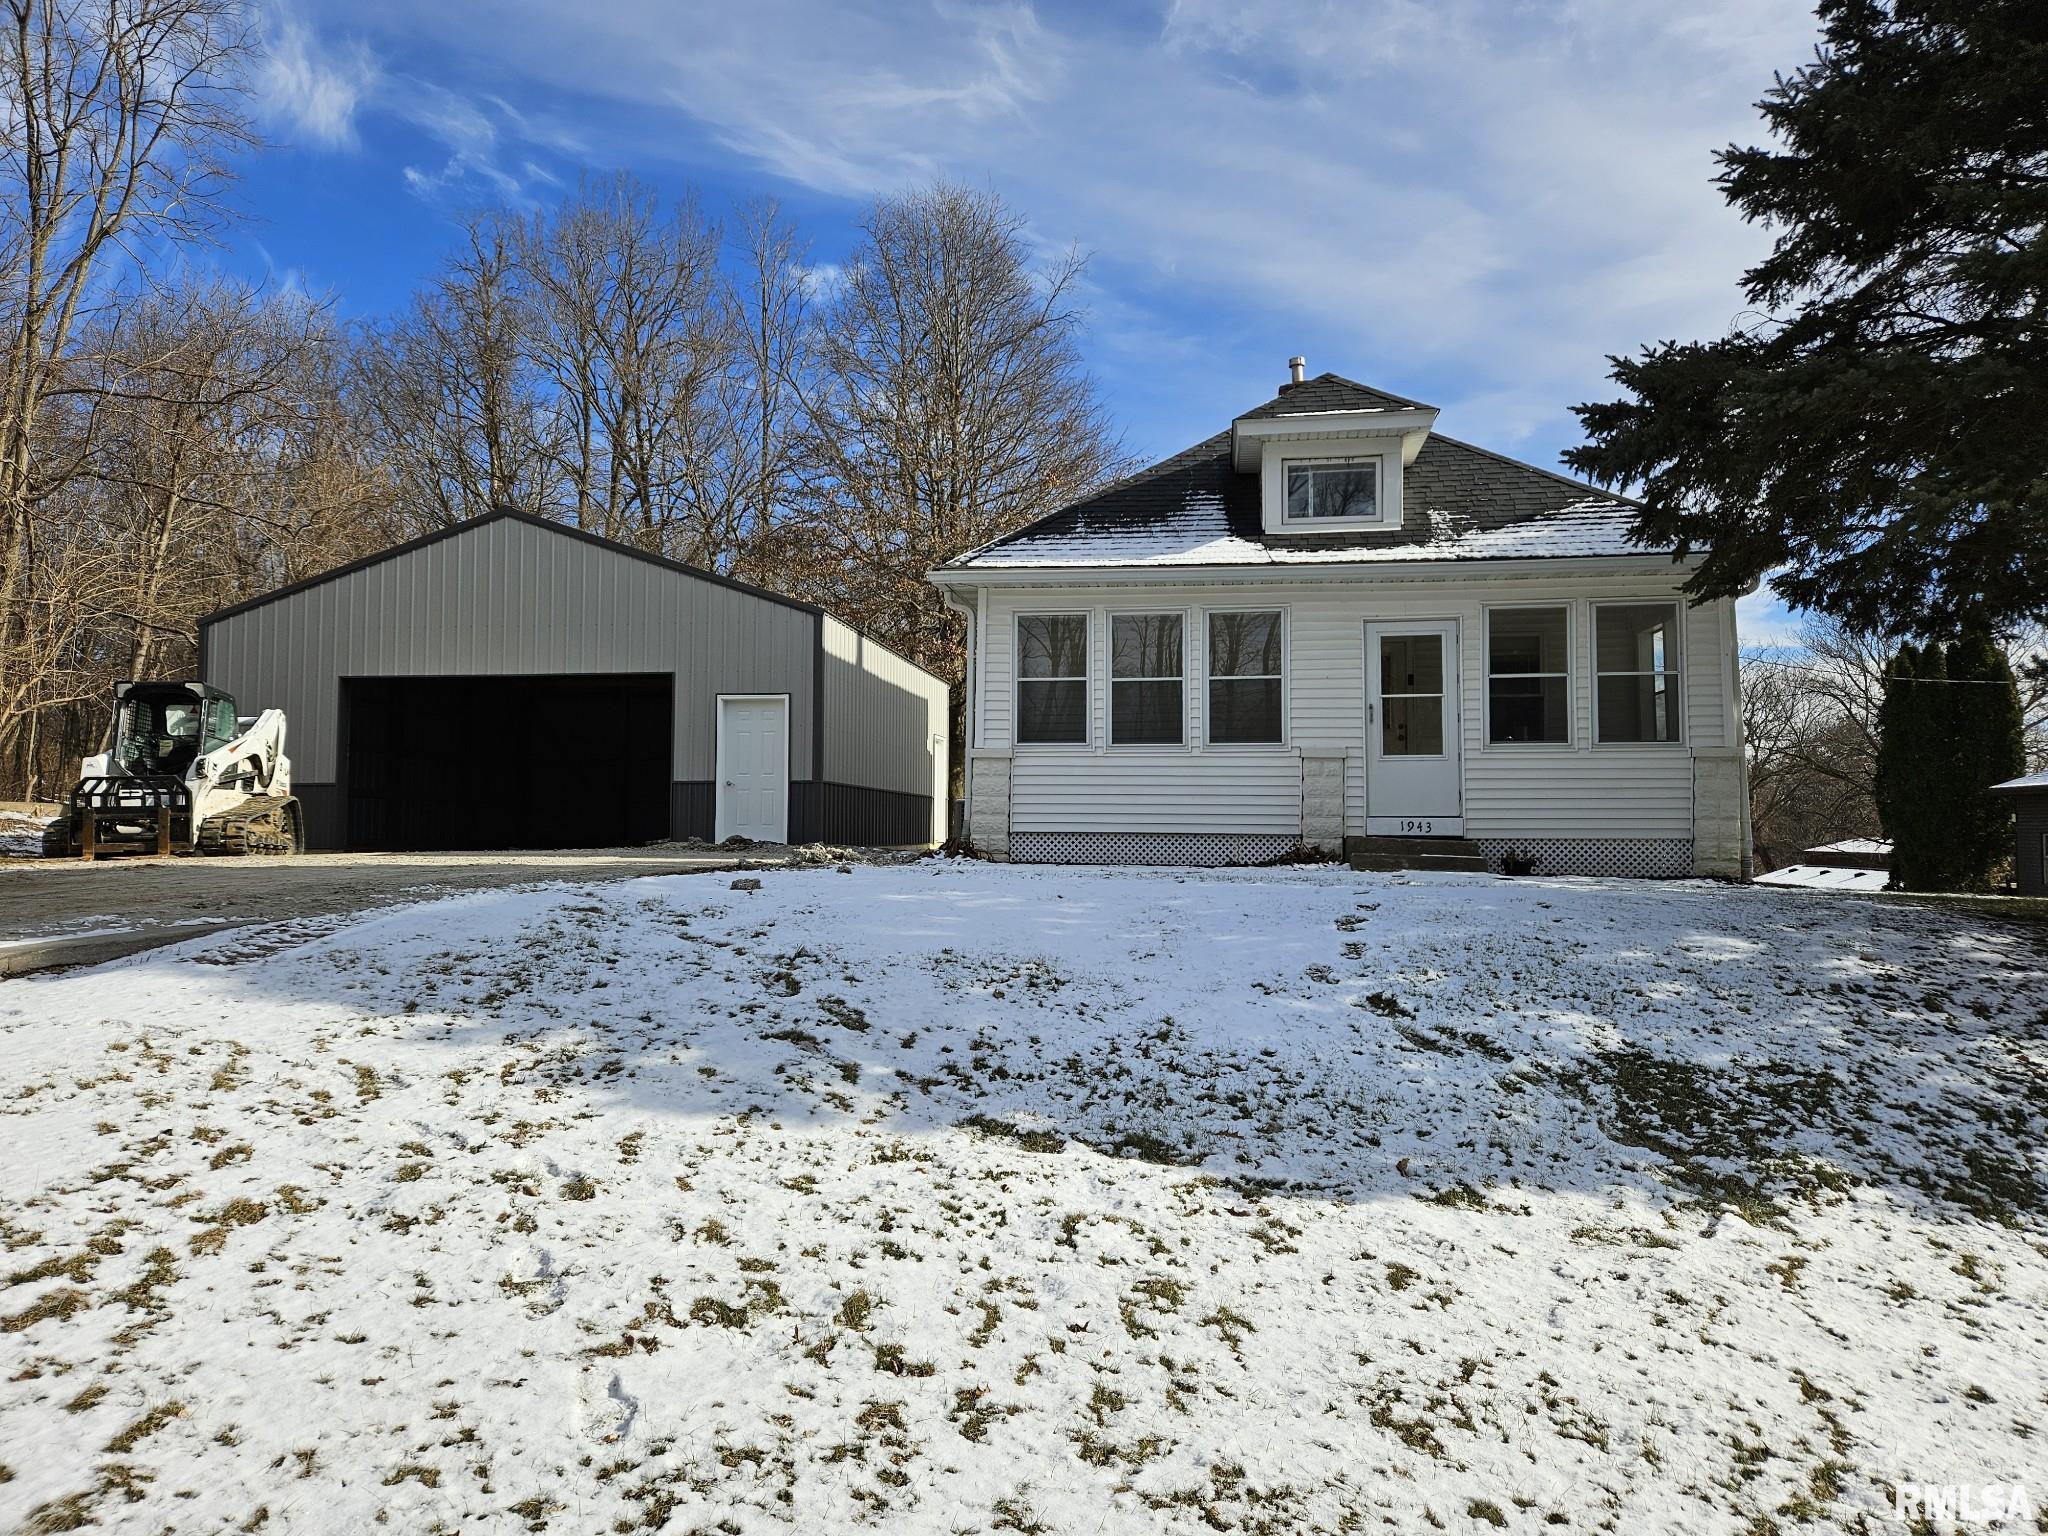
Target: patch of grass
column 581, row 1187
column 144, row 1427
column 1487, row 1510
column 1148, row 1148
column 57, row 1305
column 710, row 1312
column 1025, row 1140
column 855, row 1311
column 892, row 1359
column 239, row 1212
column 77, row 1269
column 1230, row 1325
column 1462, row 1198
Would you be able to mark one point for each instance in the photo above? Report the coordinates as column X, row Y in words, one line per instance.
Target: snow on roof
column 1815, row 877
column 2025, row 781
column 1199, row 533
column 1459, row 502
column 1854, row 845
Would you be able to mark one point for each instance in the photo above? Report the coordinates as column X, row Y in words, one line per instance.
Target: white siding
column 1578, row 790
column 1058, row 790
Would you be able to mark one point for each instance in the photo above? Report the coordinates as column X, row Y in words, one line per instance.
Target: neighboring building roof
column 1869, row 845
column 1852, row 853
column 1459, row 503
column 2022, row 785
column 1827, row 878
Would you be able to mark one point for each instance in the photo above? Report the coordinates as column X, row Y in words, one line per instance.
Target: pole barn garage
column 515, row 683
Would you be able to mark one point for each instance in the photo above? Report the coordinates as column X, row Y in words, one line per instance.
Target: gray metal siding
column 885, row 719
column 510, row 597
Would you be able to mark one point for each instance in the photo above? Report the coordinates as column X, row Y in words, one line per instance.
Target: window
column 1145, row 689
column 1317, row 491
column 1244, row 677
column 1635, row 661
column 1528, row 692
column 1411, row 695
column 222, row 727
column 1052, row 678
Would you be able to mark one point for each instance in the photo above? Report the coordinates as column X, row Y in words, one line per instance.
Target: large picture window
column 1244, row 678
column 1635, row 661
column 1146, row 665
column 1528, row 675
column 1052, row 678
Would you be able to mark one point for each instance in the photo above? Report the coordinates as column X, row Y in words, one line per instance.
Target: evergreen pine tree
column 1876, row 438
column 1989, row 738
column 1902, row 777
column 1949, row 727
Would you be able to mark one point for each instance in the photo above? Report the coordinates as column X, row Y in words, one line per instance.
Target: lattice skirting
column 1645, row 858
column 1194, row 848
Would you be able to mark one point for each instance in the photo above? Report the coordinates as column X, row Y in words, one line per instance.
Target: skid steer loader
column 185, row 774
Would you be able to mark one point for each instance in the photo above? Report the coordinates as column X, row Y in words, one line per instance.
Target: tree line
column 172, row 440
column 1852, row 735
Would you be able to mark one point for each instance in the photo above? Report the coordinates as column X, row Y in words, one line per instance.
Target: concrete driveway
column 58, row 912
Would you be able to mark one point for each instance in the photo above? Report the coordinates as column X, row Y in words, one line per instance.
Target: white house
column 1331, row 623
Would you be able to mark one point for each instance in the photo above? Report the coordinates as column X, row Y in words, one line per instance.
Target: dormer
column 1329, row 454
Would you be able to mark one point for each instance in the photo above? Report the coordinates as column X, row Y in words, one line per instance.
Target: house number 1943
column 1408, row 825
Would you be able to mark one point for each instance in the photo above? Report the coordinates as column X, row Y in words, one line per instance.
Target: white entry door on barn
column 1413, row 766
column 753, row 767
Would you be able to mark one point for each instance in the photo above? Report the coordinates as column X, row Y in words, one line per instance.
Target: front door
column 1413, row 775
column 753, row 768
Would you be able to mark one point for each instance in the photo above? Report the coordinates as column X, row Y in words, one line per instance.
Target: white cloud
column 1465, row 199
column 1764, row 623
column 309, row 89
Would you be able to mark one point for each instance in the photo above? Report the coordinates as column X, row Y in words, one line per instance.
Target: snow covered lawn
column 952, row 1198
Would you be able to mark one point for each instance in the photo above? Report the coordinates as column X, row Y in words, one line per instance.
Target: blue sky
column 1467, row 201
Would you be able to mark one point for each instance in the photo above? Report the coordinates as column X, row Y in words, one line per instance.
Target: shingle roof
column 1460, row 503
column 1330, row 392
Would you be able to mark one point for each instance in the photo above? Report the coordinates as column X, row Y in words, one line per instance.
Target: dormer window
column 1346, row 489
column 1330, row 456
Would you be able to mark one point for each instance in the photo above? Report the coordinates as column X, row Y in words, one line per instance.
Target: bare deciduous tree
column 623, row 317
column 949, row 405
column 451, row 393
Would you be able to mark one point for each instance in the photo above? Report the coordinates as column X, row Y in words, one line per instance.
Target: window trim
column 1386, row 484
column 1110, row 680
column 1486, row 676
column 1286, row 741
column 1378, row 461
column 1675, row 671
column 1018, row 680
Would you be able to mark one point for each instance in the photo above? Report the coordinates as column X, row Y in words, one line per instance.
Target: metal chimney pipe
column 1297, row 369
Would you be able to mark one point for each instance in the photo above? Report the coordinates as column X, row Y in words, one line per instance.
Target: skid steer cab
column 185, row 774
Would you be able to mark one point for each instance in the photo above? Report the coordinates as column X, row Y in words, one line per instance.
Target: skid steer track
column 260, row 824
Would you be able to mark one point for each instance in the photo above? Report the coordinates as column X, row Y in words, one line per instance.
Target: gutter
column 948, row 577
column 971, row 705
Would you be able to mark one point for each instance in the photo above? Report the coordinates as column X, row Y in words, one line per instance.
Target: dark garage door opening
column 505, row 762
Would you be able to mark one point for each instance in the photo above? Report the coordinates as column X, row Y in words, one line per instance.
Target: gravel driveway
column 68, row 911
